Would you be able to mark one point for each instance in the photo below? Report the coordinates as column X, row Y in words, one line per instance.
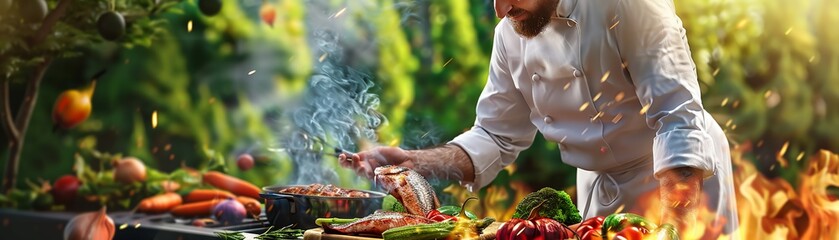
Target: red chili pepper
column 437, row 216
column 590, row 228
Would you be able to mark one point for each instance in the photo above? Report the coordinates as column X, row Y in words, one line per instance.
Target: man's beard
column 537, row 21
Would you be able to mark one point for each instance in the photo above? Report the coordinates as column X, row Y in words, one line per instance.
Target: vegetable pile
column 557, row 206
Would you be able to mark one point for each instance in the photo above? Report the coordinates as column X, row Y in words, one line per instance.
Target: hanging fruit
column 111, row 25
column 72, row 107
column 33, row 11
column 209, row 7
column 268, row 13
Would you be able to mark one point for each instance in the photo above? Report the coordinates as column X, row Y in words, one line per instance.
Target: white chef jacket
column 613, row 83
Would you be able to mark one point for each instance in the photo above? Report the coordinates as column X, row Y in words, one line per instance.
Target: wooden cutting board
column 318, row 234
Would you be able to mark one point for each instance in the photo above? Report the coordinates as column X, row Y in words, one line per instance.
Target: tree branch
column 6, row 120
column 49, row 22
column 22, row 123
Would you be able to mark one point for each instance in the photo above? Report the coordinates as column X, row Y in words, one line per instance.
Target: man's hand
column 680, row 191
column 366, row 161
column 446, row 162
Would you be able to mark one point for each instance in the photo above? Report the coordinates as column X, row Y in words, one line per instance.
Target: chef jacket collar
column 565, row 7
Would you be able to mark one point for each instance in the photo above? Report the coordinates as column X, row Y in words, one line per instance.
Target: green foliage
column 554, row 204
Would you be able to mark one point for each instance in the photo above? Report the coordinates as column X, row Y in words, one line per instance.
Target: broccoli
column 558, row 206
column 389, row 203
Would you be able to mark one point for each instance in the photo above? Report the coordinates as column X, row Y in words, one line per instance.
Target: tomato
column 65, row 188
column 111, row 25
column 244, row 162
column 72, row 107
column 33, row 11
column 268, row 13
column 590, row 228
column 209, row 7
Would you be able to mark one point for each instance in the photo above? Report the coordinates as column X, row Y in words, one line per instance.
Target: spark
column 251, row 72
column 724, row 102
column 447, row 62
column 759, row 143
column 676, row 204
column 584, row 106
column 596, row 116
column 338, row 14
column 167, row 147
column 788, row 31
column 729, row 122
column 812, row 58
column 687, row 203
column 783, row 149
column 137, row 226
column 566, row 86
column 597, row 96
column 605, row 76
column 614, row 25
column 644, row 109
column 734, row 127
column 189, row 26
column 617, row 118
column 619, row 97
column 584, row 131
column 563, row 139
column 154, row 119
column 767, row 93
column 620, row 208
column 800, row 156
column 171, row 156
column 716, row 71
column 123, row 226
column 322, row 57
column 736, row 104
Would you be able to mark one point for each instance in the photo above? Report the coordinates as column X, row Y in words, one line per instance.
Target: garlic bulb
column 90, row 226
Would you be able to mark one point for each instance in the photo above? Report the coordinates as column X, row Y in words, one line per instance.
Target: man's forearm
column 445, row 162
column 680, row 191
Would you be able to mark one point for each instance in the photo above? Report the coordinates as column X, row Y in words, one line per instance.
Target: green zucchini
column 440, row 230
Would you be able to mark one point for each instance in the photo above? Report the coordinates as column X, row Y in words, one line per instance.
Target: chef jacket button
column 570, row 23
column 535, row 77
column 548, row 119
column 577, row 73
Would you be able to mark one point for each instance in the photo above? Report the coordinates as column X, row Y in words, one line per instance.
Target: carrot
column 232, row 184
column 196, row 209
column 159, row 203
column 253, row 206
column 200, row 195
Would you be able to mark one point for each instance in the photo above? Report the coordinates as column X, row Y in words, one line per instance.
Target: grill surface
column 16, row 224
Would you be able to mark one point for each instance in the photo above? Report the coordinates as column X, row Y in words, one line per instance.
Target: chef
column 611, row 82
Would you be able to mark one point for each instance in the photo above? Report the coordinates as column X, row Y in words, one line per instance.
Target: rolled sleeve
column 683, row 148
column 479, row 145
column 502, row 125
column 653, row 45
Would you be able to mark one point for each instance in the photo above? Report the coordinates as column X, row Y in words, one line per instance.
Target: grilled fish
column 409, row 187
column 377, row 223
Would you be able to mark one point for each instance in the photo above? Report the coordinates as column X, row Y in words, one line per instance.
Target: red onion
column 229, row 212
column 129, row 170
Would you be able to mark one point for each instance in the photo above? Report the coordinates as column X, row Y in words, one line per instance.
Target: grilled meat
column 324, row 191
column 409, row 187
column 377, row 223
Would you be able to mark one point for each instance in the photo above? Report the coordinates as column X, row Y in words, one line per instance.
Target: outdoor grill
column 17, row 224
